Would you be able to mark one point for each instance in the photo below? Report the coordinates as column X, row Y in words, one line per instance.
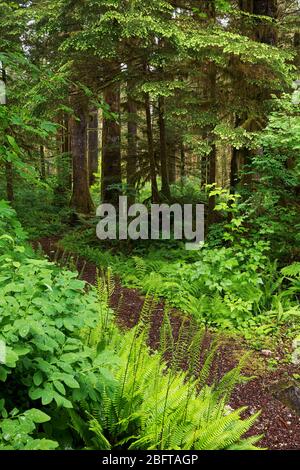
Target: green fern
column 154, row 407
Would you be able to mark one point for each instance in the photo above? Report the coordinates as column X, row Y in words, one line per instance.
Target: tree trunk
column 165, row 187
column 265, row 33
column 182, row 163
column 212, row 180
column 81, row 199
column 93, row 148
column 297, row 47
column 262, row 32
column 9, row 173
column 43, row 164
column 111, row 148
column 61, row 171
column 234, row 170
column 204, row 170
column 210, row 10
column 66, row 150
column 172, row 162
column 154, row 187
column 132, row 158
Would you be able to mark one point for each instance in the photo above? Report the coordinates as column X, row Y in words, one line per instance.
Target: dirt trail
column 279, row 424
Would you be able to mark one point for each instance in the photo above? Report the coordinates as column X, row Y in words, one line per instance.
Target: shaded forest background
column 122, row 94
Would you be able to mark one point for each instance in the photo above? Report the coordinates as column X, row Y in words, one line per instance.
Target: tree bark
column 204, row 170
column 261, row 32
column 132, row 155
column 154, row 187
column 63, row 166
column 111, row 148
column 210, row 10
column 297, row 47
column 165, row 187
column 43, row 164
column 172, row 161
column 234, row 170
column 81, row 199
column 66, row 150
column 93, row 148
column 9, row 171
column 182, row 163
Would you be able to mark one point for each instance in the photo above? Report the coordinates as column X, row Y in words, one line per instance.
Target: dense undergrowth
column 71, row 380
column 233, row 282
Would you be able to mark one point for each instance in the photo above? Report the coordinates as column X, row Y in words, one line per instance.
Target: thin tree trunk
column 93, row 148
column 165, row 187
column 81, row 199
column 60, row 166
column 234, row 169
column 66, row 150
column 204, row 172
column 212, row 180
column 43, row 164
column 154, row 187
column 111, row 148
column 132, row 158
column 297, row 48
column 210, row 10
column 9, row 172
column 182, row 163
column 172, row 161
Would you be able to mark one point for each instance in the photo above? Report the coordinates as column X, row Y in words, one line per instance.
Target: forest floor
column 279, row 423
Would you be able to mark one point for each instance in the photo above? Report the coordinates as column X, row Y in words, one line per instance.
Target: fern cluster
column 152, row 405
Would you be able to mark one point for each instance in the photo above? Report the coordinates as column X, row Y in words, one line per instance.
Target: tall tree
column 9, row 170
column 111, row 147
column 265, row 32
column 93, row 145
column 165, row 186
column 132, row 151
column 81, row 199
column 154, row 186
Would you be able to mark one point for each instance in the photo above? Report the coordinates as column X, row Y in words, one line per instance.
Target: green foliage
column 43, row 212
column 42, row 312
column 73, row 380
column 16, row 430
column 10, row 226
column 235, row 287
column 272, row 206
column 188, row 191
column 232, row 283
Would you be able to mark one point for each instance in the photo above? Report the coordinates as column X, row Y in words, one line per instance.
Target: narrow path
column 279, row 424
